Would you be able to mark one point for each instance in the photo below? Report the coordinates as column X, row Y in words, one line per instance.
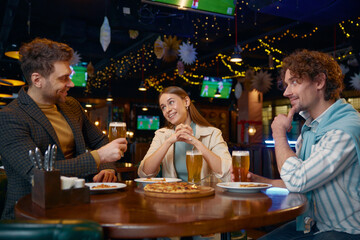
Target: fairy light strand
column 129, row 65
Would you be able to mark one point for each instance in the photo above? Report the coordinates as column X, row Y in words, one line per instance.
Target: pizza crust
column 173, row 187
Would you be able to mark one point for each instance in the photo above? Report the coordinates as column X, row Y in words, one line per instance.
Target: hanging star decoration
column 262, row 81
column 171, row 45
column 238, row 90
column 133, row 34
column 90, row 69
column 105, row 34
column 75, row 59
column 355, row 81
column 159, row 49
column 344, row 69
column 187, row 53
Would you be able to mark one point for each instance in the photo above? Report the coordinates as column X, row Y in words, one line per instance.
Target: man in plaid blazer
column 43, row 114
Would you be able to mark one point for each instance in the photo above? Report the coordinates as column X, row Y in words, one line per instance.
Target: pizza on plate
column 253, row 185
column 172, row 187
column 102, row 186
column 155, row 180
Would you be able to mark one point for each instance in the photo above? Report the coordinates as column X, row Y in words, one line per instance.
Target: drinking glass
column 117, row 130
column 241, row 164
column 193, row 165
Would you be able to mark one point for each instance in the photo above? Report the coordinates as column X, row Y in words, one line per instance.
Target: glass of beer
column 193, row 165
column 117, row 130
column 241, row 164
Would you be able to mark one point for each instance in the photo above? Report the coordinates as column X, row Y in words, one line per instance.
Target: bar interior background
column 155, row 45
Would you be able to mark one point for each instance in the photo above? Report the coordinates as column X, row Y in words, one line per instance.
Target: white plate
column 156, row 180
column 235, row 187
column 116, row 186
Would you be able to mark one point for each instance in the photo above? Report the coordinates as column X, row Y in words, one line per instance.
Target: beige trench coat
column 211, row 137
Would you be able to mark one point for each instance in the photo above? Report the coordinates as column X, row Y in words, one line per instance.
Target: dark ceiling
column 282, row 25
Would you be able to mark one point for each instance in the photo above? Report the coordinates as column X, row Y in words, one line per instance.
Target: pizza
column 102, row 186
column 253, row 185
column 154, row 180
column 172, row 187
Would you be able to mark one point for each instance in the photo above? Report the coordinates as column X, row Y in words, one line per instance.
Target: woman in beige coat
column 185, row 130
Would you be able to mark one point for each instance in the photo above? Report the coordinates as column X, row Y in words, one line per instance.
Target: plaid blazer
column 23, row 126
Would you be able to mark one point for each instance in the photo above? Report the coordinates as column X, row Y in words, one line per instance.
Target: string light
column 343, row 30
column 269, row 48
column 344, row 56
column 127, row 66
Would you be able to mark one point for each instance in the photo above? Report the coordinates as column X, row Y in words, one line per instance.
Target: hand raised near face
column 282, row 123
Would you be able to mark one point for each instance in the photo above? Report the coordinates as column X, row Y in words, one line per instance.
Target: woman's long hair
column 195, row 116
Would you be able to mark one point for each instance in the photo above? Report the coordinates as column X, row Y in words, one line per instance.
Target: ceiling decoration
column 355, row 81
column 171, row 46
column 159, row 48
column 187, row 53
column 262, row 81
column 105, row 34
column 76, row 58
column 133, row 34
column 267, row 32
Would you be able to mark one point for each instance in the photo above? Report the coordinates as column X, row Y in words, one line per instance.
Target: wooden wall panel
column 218, row 117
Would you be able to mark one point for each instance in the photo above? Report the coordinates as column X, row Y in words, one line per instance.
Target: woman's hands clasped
column 183, row 133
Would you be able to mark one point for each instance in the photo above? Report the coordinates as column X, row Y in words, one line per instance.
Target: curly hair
column 40, row 54
column 195, row 116
column 305, row 63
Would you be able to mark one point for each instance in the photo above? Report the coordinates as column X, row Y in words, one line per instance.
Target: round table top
column 128, row 213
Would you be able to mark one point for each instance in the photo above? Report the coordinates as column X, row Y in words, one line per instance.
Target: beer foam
column 117, row 124
column 193, row 153
column 240, row 153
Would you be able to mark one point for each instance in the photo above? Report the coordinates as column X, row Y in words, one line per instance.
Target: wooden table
column 127, row 213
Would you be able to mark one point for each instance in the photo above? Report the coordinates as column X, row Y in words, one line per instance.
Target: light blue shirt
column 180, row 156
column 330, row 173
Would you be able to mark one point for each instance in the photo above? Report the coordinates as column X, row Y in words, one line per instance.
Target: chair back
column 50, row 229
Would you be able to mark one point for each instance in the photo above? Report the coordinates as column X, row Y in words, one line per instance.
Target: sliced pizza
column 172, row 187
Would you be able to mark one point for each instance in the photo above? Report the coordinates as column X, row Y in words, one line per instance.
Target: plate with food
column 157, row 180
column 105, row 187
column 177, row 190
column 243, row 187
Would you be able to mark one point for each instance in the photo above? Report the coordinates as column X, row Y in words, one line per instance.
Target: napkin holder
column 47, row 192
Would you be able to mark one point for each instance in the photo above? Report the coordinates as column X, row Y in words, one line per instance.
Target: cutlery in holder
column 47, row 192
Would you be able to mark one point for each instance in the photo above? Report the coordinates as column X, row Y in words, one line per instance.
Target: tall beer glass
column 193, row 165
column 241, row 165
column 117, row 130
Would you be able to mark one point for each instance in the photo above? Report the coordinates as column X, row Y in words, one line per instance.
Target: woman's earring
column 187, row 107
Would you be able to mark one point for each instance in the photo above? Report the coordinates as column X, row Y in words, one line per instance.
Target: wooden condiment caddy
column 47, row 192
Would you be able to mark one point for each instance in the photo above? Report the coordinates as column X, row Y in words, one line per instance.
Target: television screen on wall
column 148, row 122
column 219, row 7
column 79, row 74
column 212, row 85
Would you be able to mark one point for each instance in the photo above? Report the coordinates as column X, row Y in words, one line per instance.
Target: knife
column 53, row 156
column 39, row 158
column 46, row 160
column 33, row 159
